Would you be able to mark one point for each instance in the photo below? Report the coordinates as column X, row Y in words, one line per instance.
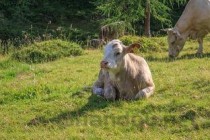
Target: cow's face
column 176, row 43
column 114, row 53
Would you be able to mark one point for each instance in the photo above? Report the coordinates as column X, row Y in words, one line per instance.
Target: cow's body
column 125, row 76
column 194, row 23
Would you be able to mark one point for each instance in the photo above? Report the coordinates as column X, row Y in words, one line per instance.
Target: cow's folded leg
column 109, row 92
column 145, row 93
column 98, row 87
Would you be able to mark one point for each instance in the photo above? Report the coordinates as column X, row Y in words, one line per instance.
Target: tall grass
column 47, row 51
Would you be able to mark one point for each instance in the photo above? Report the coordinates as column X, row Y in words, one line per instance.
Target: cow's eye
column 117, row 54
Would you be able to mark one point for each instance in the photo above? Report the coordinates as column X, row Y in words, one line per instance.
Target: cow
column 193, row 23
column 123, row 74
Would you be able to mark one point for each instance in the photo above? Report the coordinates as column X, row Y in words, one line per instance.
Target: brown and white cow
column 194, row 23
column 123, row 74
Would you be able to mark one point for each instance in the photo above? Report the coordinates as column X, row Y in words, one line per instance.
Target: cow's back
column 195, row 17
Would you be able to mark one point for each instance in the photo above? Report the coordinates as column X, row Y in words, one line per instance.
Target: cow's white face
column 114, row 53
column 176, row 43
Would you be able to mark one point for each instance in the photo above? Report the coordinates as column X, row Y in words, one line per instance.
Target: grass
column 46, row 51
column 53, row 100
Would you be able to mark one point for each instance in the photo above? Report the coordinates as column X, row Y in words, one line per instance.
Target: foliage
column 54, row 101
column 114, row 10
column 33, row 17
column 155, row 44
column 27, row 21
column 116, row 29
column 47, row 51
column 19, row 16
column 116, row 26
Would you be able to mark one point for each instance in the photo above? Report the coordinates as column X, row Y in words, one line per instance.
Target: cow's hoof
column 110, row 96
column 140, row 95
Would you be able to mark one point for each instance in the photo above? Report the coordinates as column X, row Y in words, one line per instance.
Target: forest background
column 78, row 20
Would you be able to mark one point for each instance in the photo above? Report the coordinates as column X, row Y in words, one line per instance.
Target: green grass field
column 53, row 100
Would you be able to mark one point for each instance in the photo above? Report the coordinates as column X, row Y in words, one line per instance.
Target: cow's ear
column 171, row 31
column 132, row 47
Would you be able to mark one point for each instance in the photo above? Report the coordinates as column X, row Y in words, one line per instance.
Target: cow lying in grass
column 123, row 75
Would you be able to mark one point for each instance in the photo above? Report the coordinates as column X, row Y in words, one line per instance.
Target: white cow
column 194, row 23
column 123, row 74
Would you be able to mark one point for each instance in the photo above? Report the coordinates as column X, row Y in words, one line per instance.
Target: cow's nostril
column 104, row 64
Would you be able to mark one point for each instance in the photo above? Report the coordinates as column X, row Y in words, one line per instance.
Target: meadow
column 53, row 100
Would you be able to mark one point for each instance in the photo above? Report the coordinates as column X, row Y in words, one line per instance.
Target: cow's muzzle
column 104, row 64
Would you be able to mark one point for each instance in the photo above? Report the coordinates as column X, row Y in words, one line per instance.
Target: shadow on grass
column 192, row 56
column 167, row 59
column 94, row 103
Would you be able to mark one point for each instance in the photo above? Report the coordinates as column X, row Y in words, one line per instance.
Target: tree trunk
column 147, row 19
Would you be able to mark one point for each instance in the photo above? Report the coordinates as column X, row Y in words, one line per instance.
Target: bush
column 148, row 44
column 47, row 51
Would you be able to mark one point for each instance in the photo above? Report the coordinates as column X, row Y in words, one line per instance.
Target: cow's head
column 175, row 42
column 114, row 53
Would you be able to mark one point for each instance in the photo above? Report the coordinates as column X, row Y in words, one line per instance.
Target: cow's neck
column 184, row 33
column 127, row 70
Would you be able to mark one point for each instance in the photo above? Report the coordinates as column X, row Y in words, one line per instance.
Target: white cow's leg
column 145, row 93
column 109, row 92
column 98, row 87
column 200, row 47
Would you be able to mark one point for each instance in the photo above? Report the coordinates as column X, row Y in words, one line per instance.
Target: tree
column 147, row 19
column 134, row 12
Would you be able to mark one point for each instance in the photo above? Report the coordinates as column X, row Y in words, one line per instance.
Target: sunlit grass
column 53, row 100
